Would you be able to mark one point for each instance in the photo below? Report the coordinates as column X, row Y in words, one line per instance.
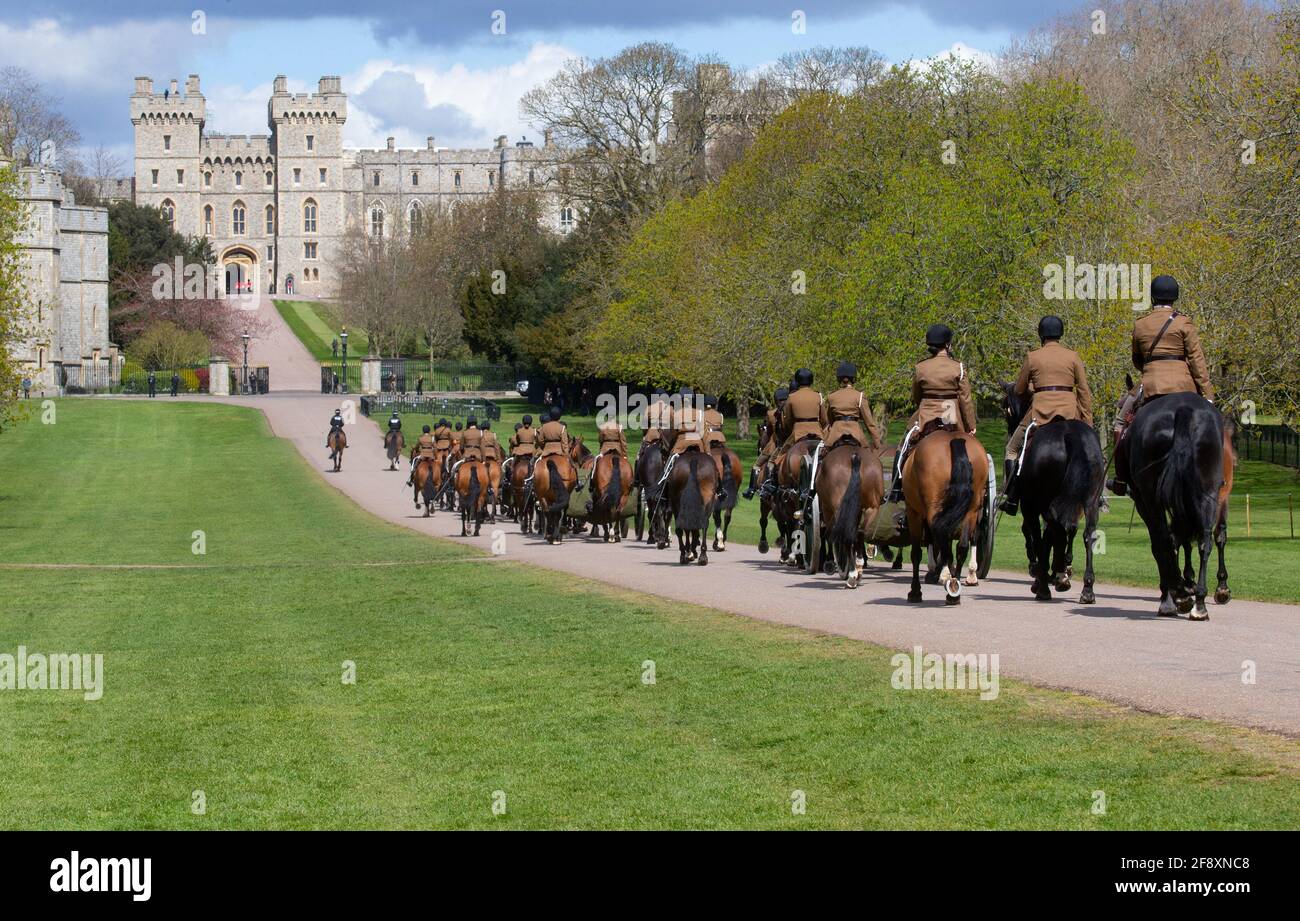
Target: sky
column 454, row 70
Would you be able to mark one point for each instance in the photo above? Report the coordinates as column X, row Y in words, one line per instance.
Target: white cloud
column 489, row 96
column 960, row 52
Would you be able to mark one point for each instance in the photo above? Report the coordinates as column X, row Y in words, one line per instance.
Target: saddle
column 934, row 425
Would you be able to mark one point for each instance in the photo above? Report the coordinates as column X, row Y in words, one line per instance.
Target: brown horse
column 494, row 487
column 691, row 491
column 393, row 444
column 728, row 462
column 553, row 480
column 611, row 484
column 426, row 479
column 944, row 483
column 850, row 488
column 337, row 442
column 471, row 489
column 521, row 497
column 584, row 462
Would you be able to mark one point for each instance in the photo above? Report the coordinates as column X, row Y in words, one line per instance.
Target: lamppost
column 343, row 336
column 246, row 337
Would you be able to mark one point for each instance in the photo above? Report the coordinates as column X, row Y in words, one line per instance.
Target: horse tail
column 691, row 514
column 429, row 492
column 614, row 490
column 1076, row 482
column 1180, row 487
column 472, row 503
column 959, row 495
column 844, row 531
column 558, row 489
column 728, row 480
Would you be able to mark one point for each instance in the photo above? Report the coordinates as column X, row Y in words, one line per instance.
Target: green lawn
column 477, row 675
column 316, row 327
column 1259, row 566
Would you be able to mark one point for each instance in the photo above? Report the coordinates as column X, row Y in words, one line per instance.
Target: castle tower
column 168, row 133
column 307, row 140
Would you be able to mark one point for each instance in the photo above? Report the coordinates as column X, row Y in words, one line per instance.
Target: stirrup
column 1117, row 486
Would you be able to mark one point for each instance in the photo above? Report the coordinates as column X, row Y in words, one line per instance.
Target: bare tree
column 32, row 120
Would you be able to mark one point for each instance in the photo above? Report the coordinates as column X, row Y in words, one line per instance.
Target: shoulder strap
column 1173, row 314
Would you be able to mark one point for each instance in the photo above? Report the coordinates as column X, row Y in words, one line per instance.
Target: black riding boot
column 1010, row 494
column 753, row 475
column 768, row 489
column 896, row 482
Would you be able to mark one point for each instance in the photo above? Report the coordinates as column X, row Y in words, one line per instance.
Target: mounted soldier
column 942, row 394
column 442, row 435
column 394, row 422
column 491, row 446
column 713, row 423
column 686, row 424
column 1167, row 350
column 612, row 438
column 523, row 443
column 471, row 440
column 768, row 438
column 847, row 413
column 1058, row 382
column 425, row 450
column 658, row 417
column 553, row 436
column 336, row 425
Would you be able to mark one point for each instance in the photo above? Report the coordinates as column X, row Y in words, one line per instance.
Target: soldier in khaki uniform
column 424, row 449
column 1059, row 383
column 846, row 412
column 941, row 391
column 713, row 423
column 1167, row 350
column 768, row 439
column 442, row 435
column 658, row 416
column 686, row 424
column 612, row 438
column 553, row 436
column 471, row 440
column 803, row 413
column 491, row 446
column 523, row 443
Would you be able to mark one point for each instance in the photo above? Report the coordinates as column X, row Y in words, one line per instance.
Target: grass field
column 223, row 675
column 1259, row 566
column 316, row 327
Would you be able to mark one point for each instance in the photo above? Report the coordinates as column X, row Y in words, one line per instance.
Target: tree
column 29, row 119
column 13, row 220
column 166, row 345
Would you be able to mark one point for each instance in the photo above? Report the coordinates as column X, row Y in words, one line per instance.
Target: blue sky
column 417, row 68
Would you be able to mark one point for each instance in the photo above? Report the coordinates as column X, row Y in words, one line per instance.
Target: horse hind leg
column 1061, row 558
column 1201, row 612
column 1222, row 594
column 952, row 588
column 1184, row 591
column 1088, row 596
column 914, row 594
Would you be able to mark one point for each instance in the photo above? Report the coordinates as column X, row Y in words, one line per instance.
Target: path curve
column 1116, row 649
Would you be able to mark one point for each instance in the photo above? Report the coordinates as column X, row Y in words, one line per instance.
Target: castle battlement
column 170, row 105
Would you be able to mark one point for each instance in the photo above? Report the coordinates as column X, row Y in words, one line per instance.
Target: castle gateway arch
column 239, row 267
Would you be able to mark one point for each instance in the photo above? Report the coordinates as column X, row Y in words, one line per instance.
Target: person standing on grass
column 419, row 386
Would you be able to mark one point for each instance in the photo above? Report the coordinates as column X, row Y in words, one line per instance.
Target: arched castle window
column 207, row 220
column 168, row 209
column 237, row 219
column 239, row 179
column 376, row 221
column 207, row 179
column 270, row 220
column 309, row 216
column 414, row 217
column 270, row 180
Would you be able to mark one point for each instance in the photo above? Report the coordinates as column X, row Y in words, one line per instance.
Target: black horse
column 1176, row 466
column 646, row 474
column 1061, row 480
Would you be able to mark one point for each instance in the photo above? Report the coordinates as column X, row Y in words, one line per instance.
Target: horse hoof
column 683, row 559
column 1063, row 584
column 1045, row 595
column 1201, row 613
column 703, row 561
column 914, row 597
column 1184, row 604
column 952, row 599
column 1087, row 597
column 931, row 578
column 1167, row 609
column 952, row 588
column 763, row 548
column 898, row 563
column 1222, row 595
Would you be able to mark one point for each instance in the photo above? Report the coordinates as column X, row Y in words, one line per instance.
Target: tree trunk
column 742, row 418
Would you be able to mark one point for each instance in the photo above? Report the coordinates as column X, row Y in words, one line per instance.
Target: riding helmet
column 555, row 414
column 426, row 428
column 1164, row 289
column 846, row 369
column 487, row 424
column 458, row 426
column 470, row 422
column 803, row 378
column 938, row 335
column 782, row 394
column 528, row 420
column 1051, row 327
column 710, row 401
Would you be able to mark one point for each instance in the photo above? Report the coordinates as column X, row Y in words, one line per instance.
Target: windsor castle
column 275, row 206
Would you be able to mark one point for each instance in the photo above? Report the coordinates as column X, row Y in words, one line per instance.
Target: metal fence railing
column 1276, row 444
column 434, row 407
column 420, row 376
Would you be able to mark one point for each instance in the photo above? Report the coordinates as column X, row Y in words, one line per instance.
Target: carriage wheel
column 987, row 528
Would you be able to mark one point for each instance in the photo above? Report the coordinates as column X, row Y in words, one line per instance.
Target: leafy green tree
column 13, row 219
